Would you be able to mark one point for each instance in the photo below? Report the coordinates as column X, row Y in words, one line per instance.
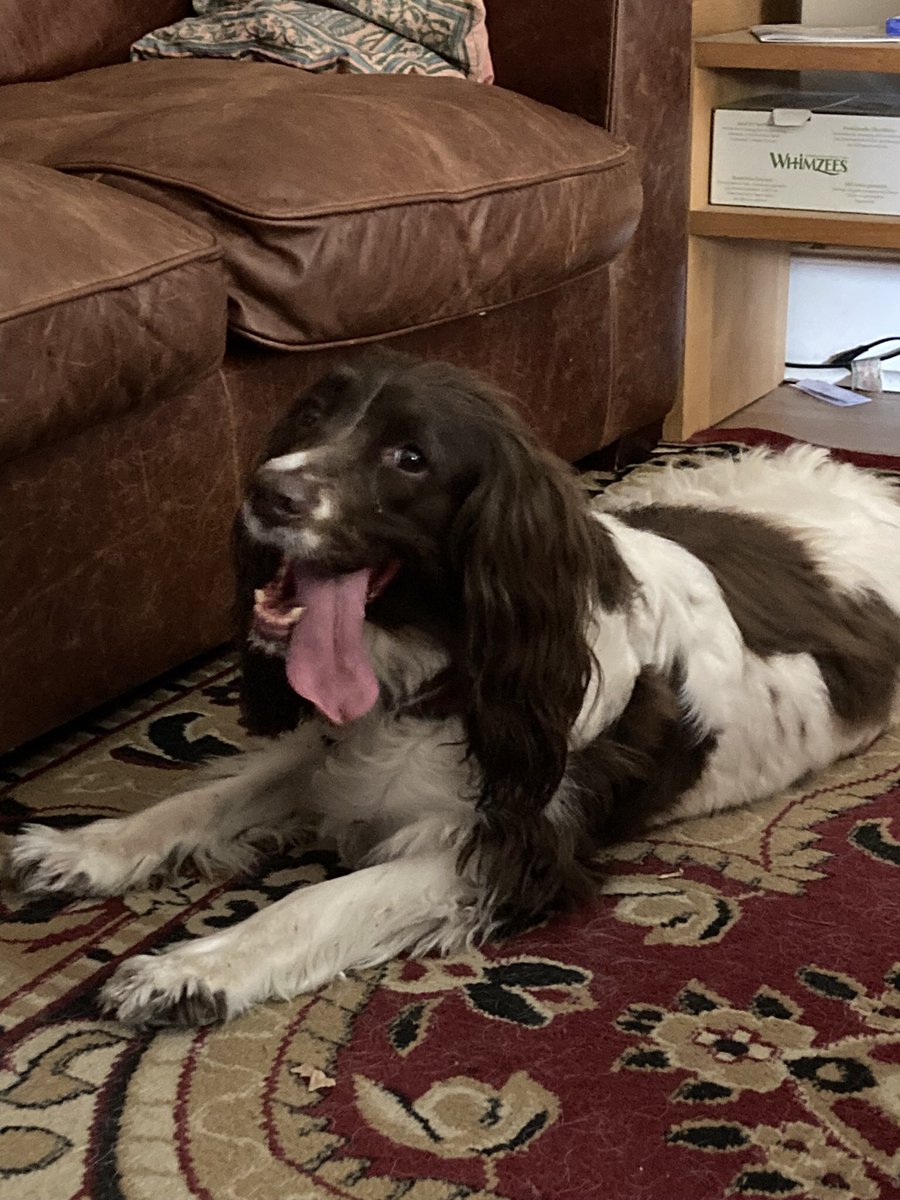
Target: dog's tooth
column 259, row 596
column 285, row 619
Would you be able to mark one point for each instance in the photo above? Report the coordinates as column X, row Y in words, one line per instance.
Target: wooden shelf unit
column 739, row 258
column 741, row 51
column 794, row 226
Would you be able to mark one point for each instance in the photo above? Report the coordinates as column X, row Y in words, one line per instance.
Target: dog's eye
column 407, row 458
column 308, row 416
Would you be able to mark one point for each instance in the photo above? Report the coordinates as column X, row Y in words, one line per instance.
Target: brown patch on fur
column 783, row 604
column 774, row 703
column 642, row 764
column 634, row 770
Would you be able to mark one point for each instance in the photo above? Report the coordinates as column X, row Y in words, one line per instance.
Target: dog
column 475, row 677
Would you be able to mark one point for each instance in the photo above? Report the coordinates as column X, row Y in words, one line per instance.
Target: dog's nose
column 277, row 495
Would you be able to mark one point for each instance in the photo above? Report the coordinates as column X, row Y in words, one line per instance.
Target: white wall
column 836, row 304
column 848, row 12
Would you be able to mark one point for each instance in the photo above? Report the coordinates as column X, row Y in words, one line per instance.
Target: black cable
column 844, row 358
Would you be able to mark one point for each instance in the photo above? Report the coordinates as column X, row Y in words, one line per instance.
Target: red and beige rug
column 724, row 1022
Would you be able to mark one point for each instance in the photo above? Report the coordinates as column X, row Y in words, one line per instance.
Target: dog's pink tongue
column 326, row 659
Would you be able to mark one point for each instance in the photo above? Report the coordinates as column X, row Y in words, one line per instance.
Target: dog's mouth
column 315, row 617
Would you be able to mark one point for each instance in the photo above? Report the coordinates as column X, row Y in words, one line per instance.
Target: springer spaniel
column 479, row 677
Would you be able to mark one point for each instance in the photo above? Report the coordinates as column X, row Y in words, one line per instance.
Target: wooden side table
column 739, row 258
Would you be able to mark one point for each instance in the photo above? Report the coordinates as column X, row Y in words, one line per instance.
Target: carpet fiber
column 724, row 1021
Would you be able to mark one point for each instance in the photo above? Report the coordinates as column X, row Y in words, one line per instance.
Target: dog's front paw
column 77, row 862
column 154, row 991
column 105, row 858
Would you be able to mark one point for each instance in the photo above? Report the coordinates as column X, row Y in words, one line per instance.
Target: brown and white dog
column 478, row 677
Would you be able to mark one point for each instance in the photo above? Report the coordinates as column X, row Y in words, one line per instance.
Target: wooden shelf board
column 796, row 226
column 741, row 51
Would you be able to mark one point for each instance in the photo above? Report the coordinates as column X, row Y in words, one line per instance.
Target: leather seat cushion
column 105, row 301
column 347, row 207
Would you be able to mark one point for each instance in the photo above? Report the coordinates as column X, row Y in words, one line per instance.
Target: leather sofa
column 185, row 245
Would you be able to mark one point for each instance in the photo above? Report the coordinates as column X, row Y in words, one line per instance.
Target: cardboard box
column 828, row 152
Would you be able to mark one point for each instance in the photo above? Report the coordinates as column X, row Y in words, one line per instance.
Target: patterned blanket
column 418, row 37
column 724, row 1021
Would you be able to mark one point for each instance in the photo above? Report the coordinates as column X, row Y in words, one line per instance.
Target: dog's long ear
column 533, row 564
column 528, row 559
column 269, row 705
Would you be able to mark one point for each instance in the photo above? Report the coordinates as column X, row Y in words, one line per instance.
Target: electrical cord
column 844, row 358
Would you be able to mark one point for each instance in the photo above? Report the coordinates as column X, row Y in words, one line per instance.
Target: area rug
column 724, row 1021
column 740, row 437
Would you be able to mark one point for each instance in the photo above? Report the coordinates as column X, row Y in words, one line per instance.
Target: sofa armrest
column 649, row 107
column 648, row 98
column 559, row 53
column 45, row 39
column 624, row 64
column 594, row 57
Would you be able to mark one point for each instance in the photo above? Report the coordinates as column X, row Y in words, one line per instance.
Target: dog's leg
column 218, row 825
column 299, row 943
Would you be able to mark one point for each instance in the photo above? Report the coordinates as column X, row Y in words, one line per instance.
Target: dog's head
column 364, row 476
column 411, row 494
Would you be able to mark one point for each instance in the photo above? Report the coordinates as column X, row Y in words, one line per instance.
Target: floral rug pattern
column 725, row 1021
